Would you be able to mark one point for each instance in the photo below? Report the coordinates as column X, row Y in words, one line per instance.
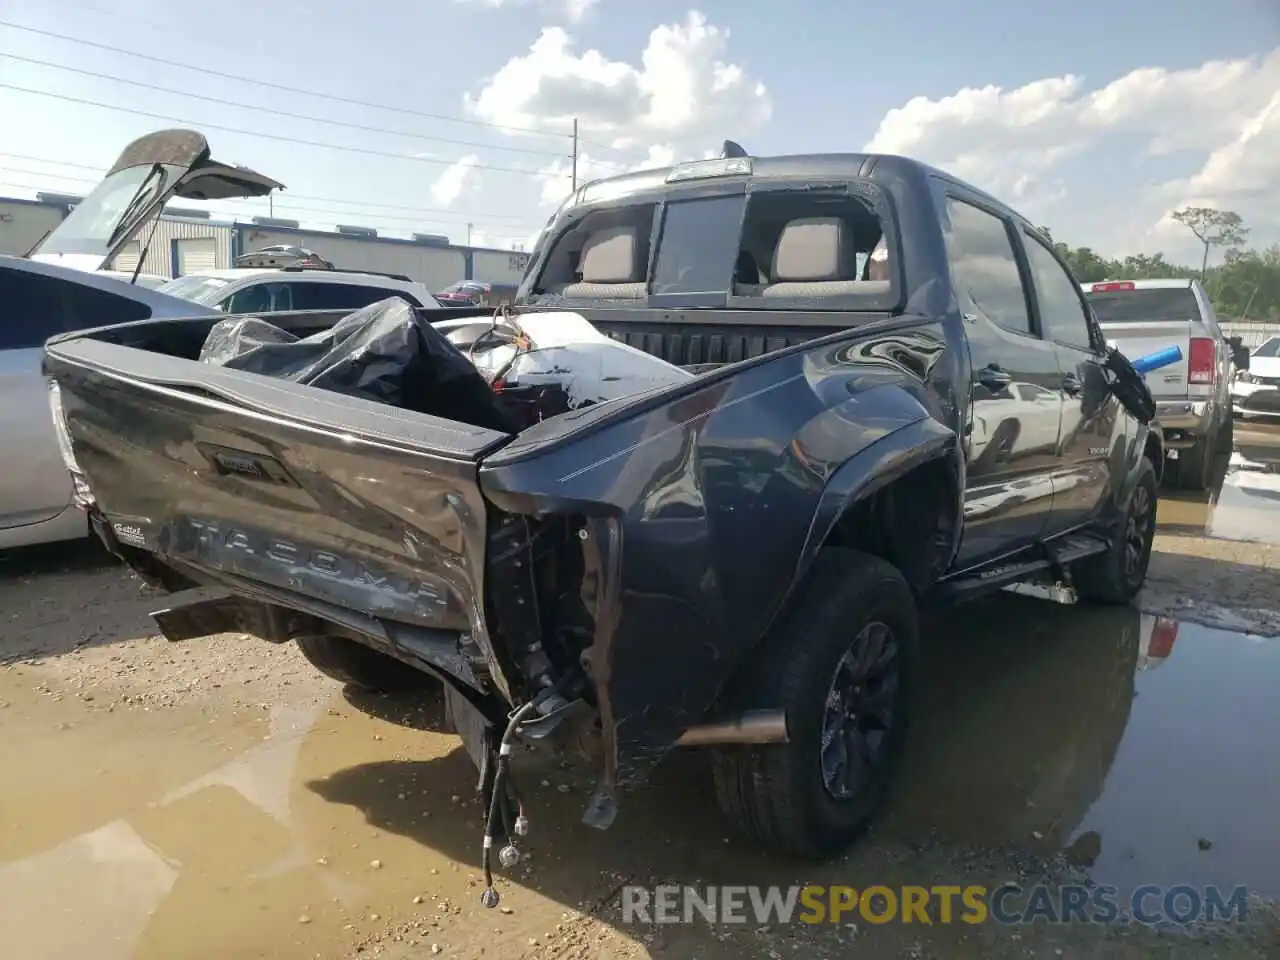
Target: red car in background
column 477, row 293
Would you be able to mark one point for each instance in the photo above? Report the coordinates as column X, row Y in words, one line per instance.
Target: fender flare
column 871, row 469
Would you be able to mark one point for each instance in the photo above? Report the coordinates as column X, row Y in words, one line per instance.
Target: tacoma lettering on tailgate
column 234, row 548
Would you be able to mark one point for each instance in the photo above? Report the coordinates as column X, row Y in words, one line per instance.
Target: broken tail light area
column 1203, row 360
column 82, row 494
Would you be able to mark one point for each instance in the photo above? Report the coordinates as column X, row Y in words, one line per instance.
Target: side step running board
column 1055, row 557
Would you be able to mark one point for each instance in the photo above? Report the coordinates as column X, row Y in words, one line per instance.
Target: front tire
column 841, row 664
column 1116, row 576
column 359, row 666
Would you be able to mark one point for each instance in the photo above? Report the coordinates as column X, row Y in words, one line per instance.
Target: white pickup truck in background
column 1193, row 398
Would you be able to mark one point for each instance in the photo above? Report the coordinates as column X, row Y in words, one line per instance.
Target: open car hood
column 151, row 170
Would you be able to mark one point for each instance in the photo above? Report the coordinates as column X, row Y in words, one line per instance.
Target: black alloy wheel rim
column 859, row 712
column 1137, row 531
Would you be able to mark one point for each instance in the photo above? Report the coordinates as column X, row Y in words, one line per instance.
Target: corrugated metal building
column 23, row 223
column 498, row 266
column 190, row 241
column 183, row 241
column 430, row 258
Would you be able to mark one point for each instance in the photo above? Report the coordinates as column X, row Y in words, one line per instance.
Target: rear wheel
column 353, row 663
column 1227, row 434
column 840, row 664
column 1193, row 470
column 1117, row 575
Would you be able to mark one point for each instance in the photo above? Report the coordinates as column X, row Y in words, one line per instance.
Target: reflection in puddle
column 1248, row 503
column 1193, row 792
column 1123, row 738
column 1243, row 506
column 263, row 775
column 89, row 897
column 1052, row 728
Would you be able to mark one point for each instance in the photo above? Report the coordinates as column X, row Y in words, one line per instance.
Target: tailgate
column 1135, row 340
column 347, row 501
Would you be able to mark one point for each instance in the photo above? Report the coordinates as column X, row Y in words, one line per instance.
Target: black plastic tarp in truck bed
column 385, row 352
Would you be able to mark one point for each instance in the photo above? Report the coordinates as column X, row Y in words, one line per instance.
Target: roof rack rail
column 302, row 268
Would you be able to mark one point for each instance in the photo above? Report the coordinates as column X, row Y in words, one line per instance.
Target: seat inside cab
column 793, row 246
column 808, row 247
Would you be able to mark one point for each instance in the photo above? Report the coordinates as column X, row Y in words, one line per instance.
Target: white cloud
column 681, row 98
column 503, row 239
column 1017, row 143
column 557, row 176
column 1241, row 173
column 450, row 184
column 571, row 10
column 1000, row 140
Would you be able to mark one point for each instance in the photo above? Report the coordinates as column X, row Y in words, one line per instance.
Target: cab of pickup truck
column 1193, row 399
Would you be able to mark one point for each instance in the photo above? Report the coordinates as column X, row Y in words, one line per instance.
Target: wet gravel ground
column 219, row 798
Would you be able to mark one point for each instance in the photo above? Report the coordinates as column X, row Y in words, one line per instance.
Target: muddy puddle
column 343, row 825
column 1144, row 747
column 1244, row 502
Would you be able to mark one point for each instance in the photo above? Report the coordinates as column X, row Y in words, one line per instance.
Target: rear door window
column 254, row 298
column 36, row 307
column 1144, row 306
column 984, row 267
column 341, row 296
column 1062, row 313
column 699, row 246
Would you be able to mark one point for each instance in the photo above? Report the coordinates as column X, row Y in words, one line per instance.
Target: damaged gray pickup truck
column 746, row 418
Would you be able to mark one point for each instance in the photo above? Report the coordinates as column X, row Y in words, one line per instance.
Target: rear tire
column 1227, row 434
column 846, row 714
column 359, row 666
column 1193, row 470
column 1116, row 576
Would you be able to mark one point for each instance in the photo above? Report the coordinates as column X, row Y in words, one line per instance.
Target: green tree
column 1245, row 286
column 1088, row 266
column 1213, row 228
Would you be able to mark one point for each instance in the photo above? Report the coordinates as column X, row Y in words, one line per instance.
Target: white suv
column 275, row 290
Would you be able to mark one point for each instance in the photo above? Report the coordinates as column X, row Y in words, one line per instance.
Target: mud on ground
column 219, row 798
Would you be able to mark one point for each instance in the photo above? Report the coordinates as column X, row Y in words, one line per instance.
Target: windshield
column 1145, row 306
column 1269, row 349
column 90, row 227
column 198, row 289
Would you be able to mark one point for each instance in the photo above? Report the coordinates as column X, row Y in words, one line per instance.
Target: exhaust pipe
column 757, row 726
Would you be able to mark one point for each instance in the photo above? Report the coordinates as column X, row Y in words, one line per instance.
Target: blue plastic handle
column 1154, row 361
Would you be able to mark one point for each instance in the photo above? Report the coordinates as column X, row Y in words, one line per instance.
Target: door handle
column 993, row 378
column 1072, row 385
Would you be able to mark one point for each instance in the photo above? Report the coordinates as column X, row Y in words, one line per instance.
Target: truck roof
column 800, row 166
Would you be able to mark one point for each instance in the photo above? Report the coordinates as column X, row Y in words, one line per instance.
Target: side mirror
column 1239, row 352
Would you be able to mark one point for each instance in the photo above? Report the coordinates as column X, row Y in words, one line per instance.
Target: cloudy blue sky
column 1093, row 118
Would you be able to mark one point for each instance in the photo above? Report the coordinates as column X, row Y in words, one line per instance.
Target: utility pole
column 468, row 234
column 575, row 154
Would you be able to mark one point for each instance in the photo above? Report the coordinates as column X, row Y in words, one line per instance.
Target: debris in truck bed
column 505, row 373
column 385, row 352
column 566, row 351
